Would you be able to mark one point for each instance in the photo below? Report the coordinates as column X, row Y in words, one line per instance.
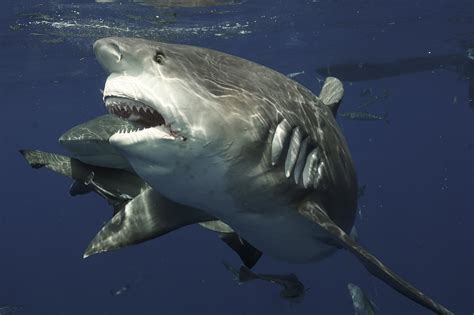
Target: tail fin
column 385, row 118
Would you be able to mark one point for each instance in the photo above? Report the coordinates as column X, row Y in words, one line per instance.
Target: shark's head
column 184, row 104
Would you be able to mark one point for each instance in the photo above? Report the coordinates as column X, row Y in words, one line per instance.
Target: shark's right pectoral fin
column 314, row 213
column 145, row 217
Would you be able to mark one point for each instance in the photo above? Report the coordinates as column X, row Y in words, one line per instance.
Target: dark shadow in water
column 459, row 63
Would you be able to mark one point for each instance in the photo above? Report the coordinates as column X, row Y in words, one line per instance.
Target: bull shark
column 241, row 143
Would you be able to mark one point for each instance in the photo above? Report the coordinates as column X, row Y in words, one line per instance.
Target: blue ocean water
column 411, row 60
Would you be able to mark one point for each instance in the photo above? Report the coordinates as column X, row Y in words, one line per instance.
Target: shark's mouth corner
column 141, row 115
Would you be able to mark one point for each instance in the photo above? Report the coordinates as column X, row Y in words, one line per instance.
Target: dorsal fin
column 332, row 93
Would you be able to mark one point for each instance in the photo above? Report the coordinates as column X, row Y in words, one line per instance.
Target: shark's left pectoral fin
column 249, row 254
column 147, row 216
column 313, row 212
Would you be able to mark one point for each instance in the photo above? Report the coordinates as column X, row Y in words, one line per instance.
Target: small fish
column 294, row 74
column 371, row 98
column 365, row 116
column 366, row 92
column 362, row 304
column 120, row 291
column 470, row 53
column 10, row 309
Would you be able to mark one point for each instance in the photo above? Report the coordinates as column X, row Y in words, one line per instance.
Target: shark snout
column 110, row 55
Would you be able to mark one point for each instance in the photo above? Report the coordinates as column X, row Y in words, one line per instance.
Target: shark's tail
column 385, row 118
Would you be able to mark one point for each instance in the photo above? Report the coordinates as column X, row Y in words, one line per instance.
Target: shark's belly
column 286, row 237
column 271, row 227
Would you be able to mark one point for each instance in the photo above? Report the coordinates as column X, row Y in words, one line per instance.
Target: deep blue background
column 417, row 211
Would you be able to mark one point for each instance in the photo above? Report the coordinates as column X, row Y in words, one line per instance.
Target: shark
column 293, row 290
column 238, row 142
column 361, row 302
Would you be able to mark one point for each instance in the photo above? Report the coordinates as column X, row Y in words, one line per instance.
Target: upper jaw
column 140, row 114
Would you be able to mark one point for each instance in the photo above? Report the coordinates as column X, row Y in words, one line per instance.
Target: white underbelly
column 278, row 233
column 288, row 237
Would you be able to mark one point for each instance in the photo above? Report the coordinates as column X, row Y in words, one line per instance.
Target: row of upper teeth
column 121, row 107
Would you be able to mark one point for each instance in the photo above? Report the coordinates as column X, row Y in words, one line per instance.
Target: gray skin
column 362, row 304
column 242, row 143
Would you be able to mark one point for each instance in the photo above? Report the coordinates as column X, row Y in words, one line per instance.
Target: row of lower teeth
column 130, row 130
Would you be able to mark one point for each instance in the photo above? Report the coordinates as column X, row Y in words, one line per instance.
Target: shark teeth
column 134, row 111
column 130, row 137
column 128, row 131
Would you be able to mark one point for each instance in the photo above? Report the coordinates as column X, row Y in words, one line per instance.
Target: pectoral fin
column 316, row 214
column 147, row 216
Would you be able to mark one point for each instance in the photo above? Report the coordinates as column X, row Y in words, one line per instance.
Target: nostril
column 114, row 49
column 107, row 50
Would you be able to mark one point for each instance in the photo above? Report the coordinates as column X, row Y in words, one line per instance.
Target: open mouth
column 138, row 113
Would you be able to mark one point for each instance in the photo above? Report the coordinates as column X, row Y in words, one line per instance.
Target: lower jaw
column 126, row 137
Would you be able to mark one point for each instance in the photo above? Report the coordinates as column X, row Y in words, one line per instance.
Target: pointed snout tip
column 87, row 253
column 109, row 53
column 103, row 42
column 90, row 250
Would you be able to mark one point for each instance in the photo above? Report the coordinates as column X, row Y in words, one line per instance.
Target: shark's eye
column 159, row 57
